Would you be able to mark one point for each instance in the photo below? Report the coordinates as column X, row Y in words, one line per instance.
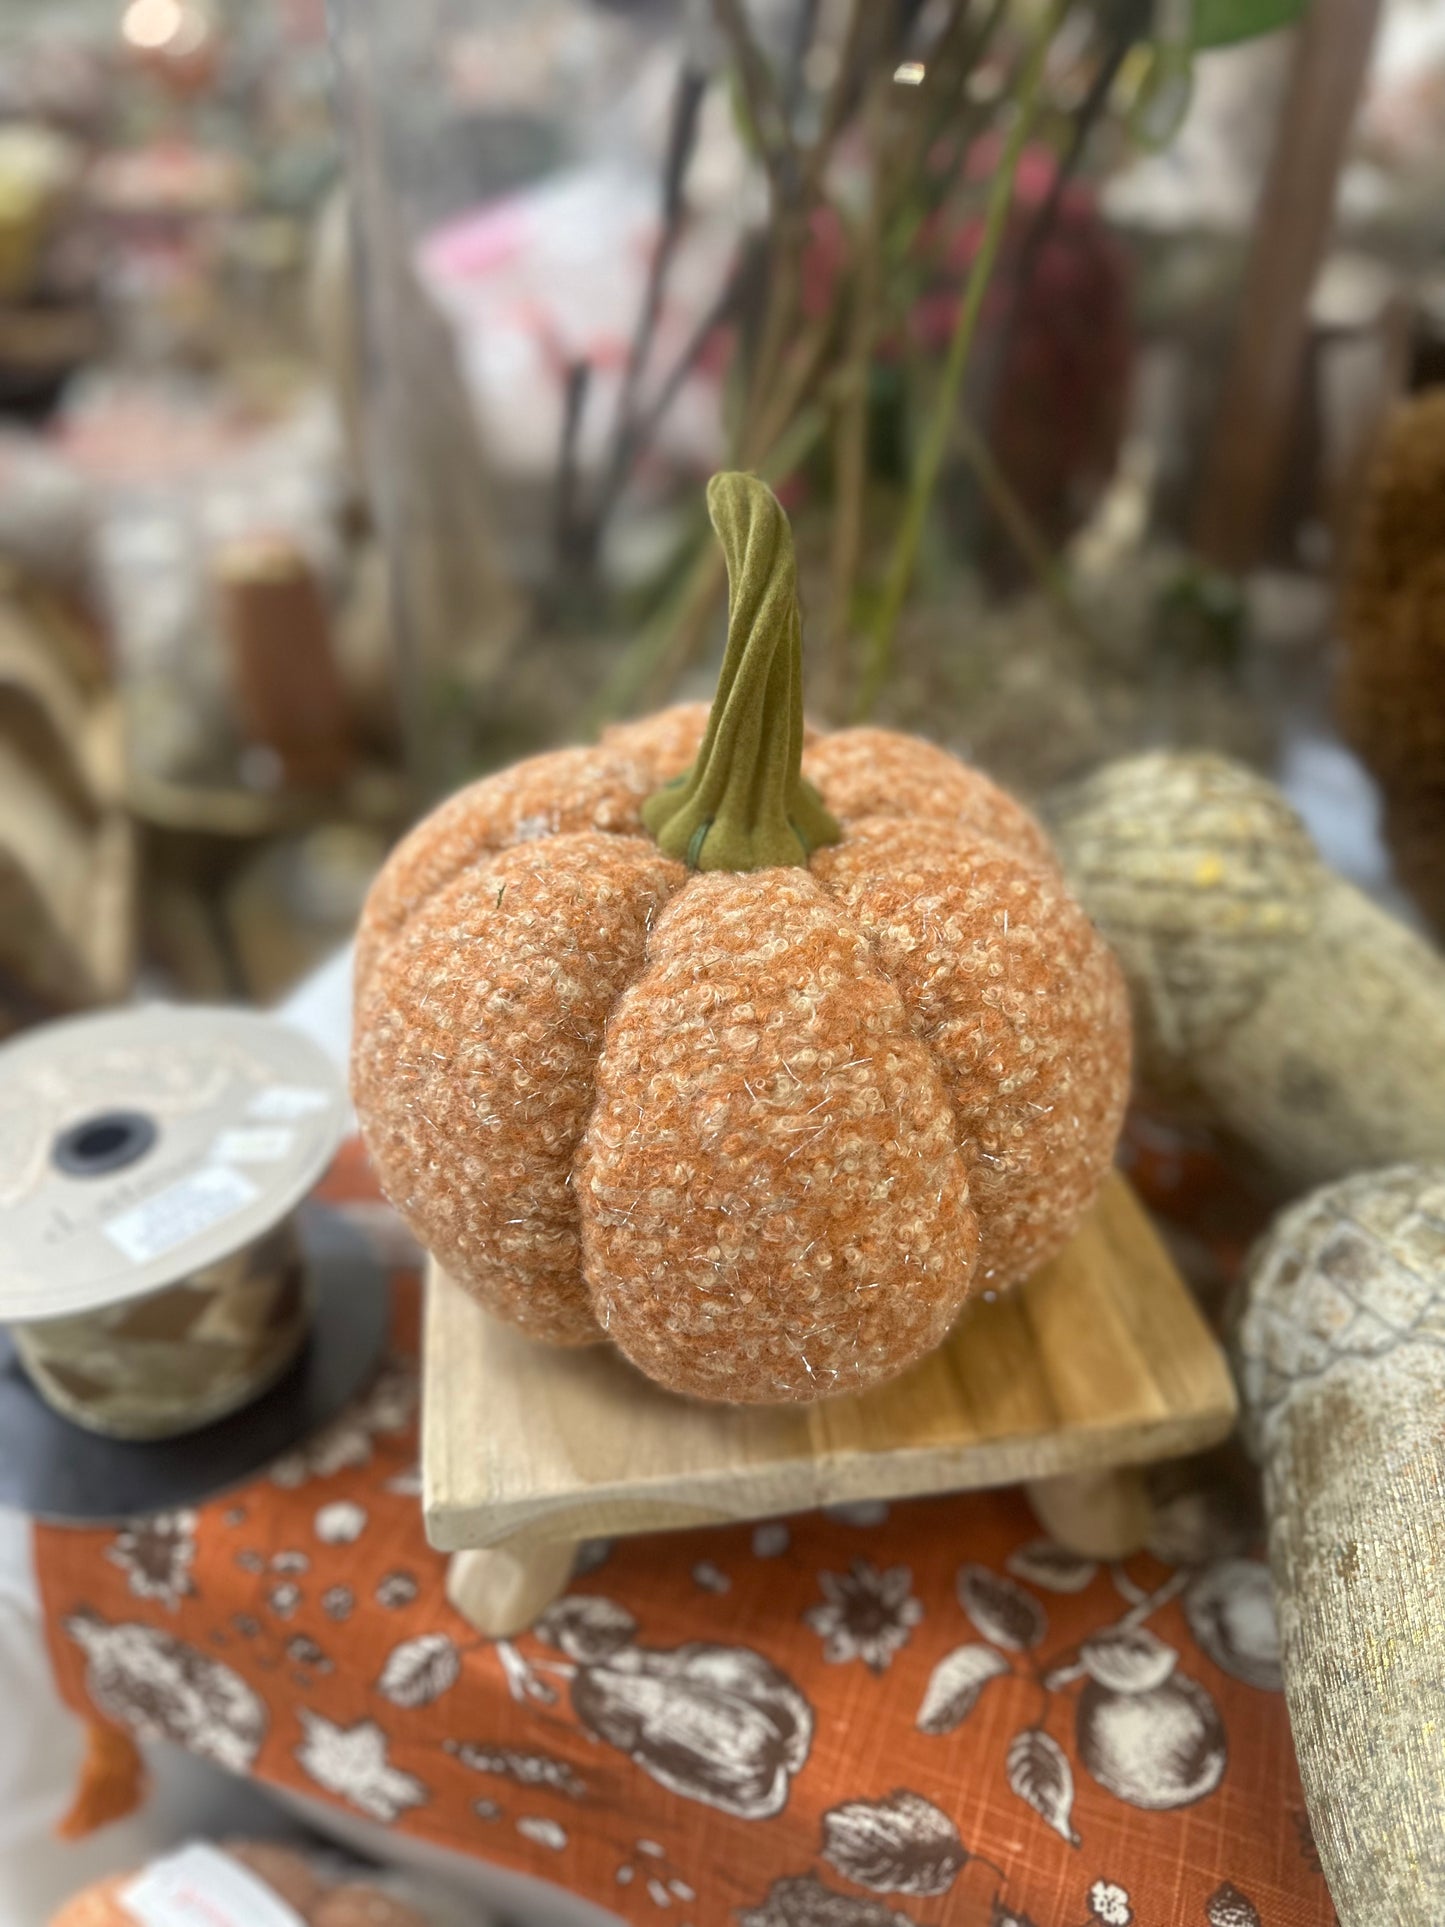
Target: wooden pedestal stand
column 1098, row 1365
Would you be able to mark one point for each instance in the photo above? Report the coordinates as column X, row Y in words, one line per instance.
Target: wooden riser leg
column 501, row 1592
column 1099, row 1515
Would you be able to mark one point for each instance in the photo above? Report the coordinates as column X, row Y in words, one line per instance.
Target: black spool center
column 107, row 1142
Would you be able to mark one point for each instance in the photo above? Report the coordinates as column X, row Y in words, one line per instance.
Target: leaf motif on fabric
column 341, row 1523
column 353, row 1763
column 420, row 1670
column 1040, row 1774
column 546, row 1833
column 396, row 1589
column 1002, row 1611
column 1230, row 1609
column 156, row 1555
column 1228, row 1907
column 1054, row 1567
column 802, row 1900
column 901, row 1845
column 587, row 1627
column 1128, row 1659
column 163, row 1689
column 955, row 1684
column 527, row 1769
column 348, row 1441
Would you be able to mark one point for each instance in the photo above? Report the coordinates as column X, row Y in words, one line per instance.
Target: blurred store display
column 332, row 554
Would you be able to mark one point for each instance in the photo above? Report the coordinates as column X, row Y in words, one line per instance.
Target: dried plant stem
column 1019, row 525
column 779, row 315
column 796, row 189
column 930, row 461
column 801, row 39
column 955, row 54
column 850, row 474
column 682, row 139
column 721, row 310
column 632, row 430
column 799, row 374
column 839, row 98
column 650, row 665
column 763, row 101
column 1127, row 30
column 850, row 463
column 567, row 527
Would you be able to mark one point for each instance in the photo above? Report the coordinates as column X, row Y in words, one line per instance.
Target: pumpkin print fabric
column 918, row 1715
column 751, row 1050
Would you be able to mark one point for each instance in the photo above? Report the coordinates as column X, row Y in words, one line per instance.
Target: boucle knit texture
column 753, row 1128
column 770, row 1187
column 1021, row 1006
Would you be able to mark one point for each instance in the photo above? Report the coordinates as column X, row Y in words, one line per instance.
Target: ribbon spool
column 151, row 1165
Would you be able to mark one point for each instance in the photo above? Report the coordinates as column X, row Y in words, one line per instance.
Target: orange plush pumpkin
column 751, row 1049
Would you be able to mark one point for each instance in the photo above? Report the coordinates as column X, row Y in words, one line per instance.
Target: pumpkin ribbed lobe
column 476, row 1054
column 601, row 788
column 865, row 773
column 773, row 1204
column 744, row 804
column 1022, row 1008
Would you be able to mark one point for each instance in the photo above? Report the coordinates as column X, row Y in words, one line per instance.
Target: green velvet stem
column 744, row 804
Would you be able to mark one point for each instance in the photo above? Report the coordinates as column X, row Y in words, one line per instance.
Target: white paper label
column 200, row 1887
column 184, row 1209
column 253, row 1144
column 279, row 1103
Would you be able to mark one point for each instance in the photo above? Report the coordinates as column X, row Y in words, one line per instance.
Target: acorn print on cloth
column 751, row 1049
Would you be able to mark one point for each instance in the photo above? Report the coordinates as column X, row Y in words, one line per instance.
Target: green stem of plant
column 899, row 578
column 744, row 804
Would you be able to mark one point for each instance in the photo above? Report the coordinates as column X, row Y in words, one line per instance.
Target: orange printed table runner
column 878, row 1717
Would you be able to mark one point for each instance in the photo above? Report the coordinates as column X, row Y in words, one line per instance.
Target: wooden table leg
column 1099, row 1515
column 500, row 1592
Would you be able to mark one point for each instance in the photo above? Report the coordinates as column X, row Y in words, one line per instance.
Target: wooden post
column 500, row 1592
column 1260, row 399
column 1099, row 1515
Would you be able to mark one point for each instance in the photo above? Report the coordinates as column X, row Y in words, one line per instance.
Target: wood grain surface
column 1102, row 1359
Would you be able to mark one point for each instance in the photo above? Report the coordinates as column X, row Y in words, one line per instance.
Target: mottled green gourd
column 744, row 804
